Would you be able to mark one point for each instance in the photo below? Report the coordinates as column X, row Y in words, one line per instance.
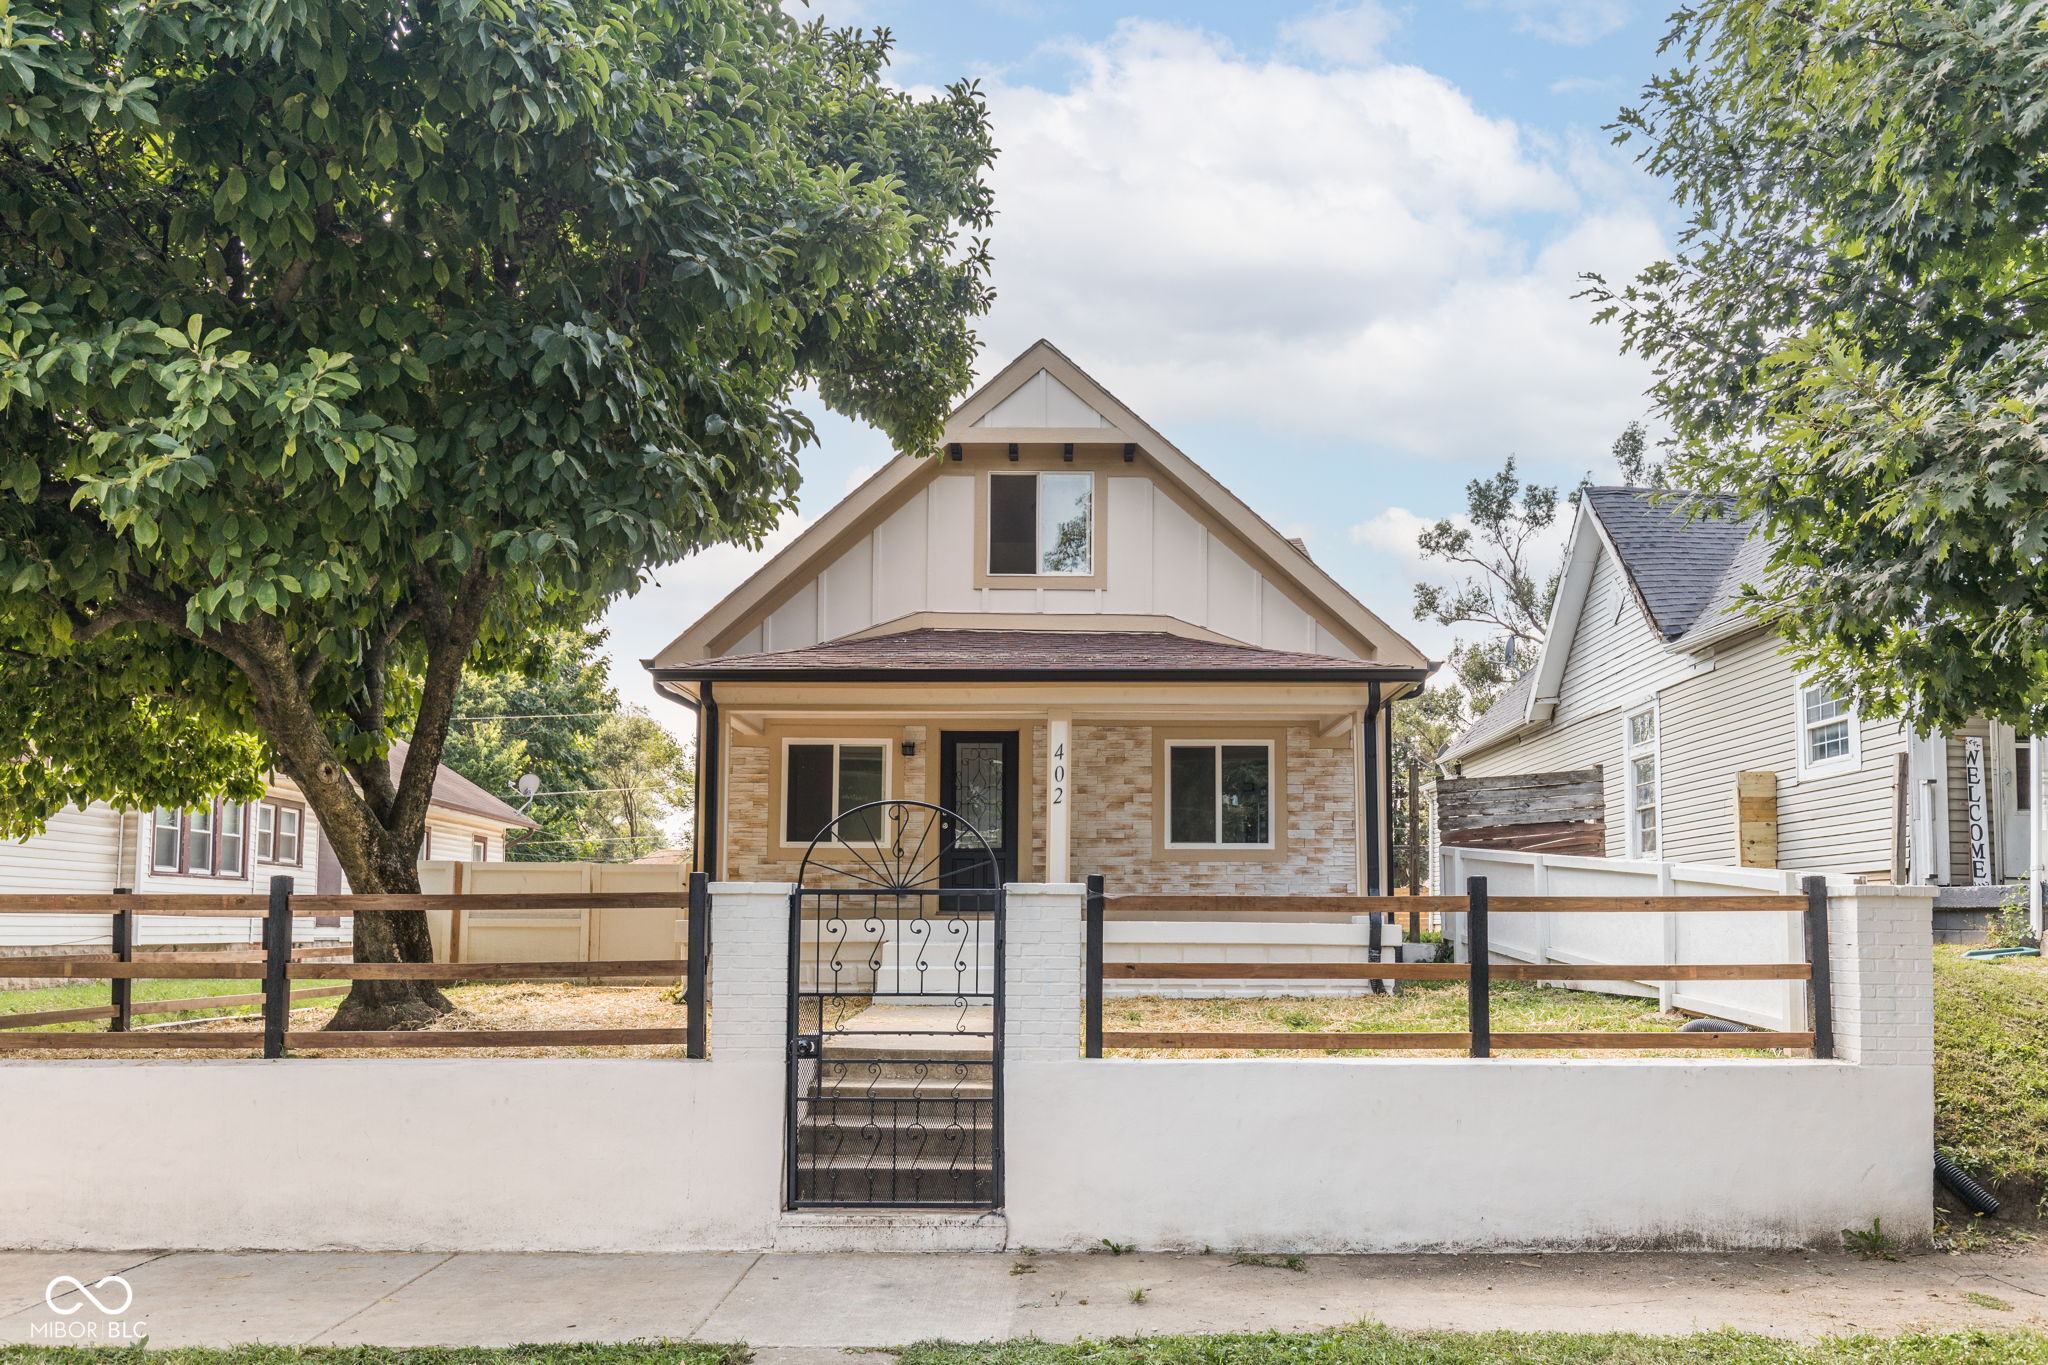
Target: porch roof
column 935, row 655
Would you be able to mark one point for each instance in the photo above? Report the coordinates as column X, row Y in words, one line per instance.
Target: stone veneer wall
column 749, row 855
column 1114, row 798
column 1116, row 794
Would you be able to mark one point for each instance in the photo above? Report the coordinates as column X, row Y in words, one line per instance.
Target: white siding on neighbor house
column 1159, row 560
column 1742, row 718
column 1734, row 717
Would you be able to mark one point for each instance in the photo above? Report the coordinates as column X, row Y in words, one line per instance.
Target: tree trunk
column 392, row 936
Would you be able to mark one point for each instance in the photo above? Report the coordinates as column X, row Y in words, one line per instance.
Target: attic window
column 1041, row 524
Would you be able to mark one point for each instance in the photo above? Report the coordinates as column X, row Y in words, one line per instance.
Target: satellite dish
column 528, row 784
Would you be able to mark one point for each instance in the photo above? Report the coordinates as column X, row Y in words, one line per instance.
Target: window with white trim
column 1640, row 762
column 1041, row 524
column 278, row 826
column 1219, row 794
column 1827, row 728
column 824, row 779
column 479, row 848
column 206, row 842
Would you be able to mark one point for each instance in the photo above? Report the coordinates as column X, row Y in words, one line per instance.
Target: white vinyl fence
column 1609, row 938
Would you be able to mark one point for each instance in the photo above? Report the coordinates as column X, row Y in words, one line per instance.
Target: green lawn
column 1364, row 1345
column 86, row 994
column 1991, row 1068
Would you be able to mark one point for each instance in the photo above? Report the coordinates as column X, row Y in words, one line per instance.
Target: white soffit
column 1042, row 401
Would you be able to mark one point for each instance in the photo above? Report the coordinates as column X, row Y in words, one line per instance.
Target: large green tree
column 345, row 344
column 1853, row 335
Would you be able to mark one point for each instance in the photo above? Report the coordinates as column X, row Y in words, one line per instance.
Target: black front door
column 978, row 781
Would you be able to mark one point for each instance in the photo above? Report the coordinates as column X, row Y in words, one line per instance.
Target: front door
column 978, row 781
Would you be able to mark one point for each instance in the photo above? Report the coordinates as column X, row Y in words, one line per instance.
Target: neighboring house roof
column 665, row 856
column 1685, row 558
column 1040, row 386
column 966, row 654
column 453, row 790
column 1674, row 548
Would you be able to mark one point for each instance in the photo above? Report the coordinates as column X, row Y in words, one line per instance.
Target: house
column 1070, row 634
column 1659, row 723
column 224, row 848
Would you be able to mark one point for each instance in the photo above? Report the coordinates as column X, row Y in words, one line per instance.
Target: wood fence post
column 697, row 969
column 1479, row 981
column 277, row 955
column 1091, row 979
column 1820, row 1000
column 121, row 988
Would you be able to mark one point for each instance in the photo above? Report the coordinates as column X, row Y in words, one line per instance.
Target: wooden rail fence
column 277, row 966
column 1478, row 1038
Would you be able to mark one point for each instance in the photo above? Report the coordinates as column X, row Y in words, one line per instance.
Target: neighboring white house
column 1649, row 676
column 225, row 847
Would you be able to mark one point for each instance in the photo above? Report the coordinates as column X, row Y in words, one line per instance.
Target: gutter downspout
column 1375, row 855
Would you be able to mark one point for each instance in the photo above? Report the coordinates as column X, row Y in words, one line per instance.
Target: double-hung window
column 1219, row 794
column 824, row 779
column 278, row 833
column 207, row 842
column 1640, row 760
column 1827, row 731
column 1041, row 524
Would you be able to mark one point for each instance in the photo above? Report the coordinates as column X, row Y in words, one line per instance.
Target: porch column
column 1059, row 795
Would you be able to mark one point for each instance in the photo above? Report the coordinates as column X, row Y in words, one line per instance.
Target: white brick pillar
column 1042, row 962
column 749, row 970
column 1882, row 941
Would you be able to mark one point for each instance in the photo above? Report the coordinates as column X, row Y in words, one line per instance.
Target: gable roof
column 456, row 792
column 1675, row 549
column 1685, row 557
column 962, row 655
column 1038, row 391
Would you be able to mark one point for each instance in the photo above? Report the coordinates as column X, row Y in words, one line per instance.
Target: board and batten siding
column 1159, row 560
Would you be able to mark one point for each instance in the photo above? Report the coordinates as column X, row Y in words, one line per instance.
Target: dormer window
column 1041, row 524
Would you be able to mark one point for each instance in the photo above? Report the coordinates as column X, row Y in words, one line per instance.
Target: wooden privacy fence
column 277, row 966
column 1478, row 1038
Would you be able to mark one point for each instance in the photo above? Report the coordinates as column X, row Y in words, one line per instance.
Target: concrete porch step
column 897, row 1230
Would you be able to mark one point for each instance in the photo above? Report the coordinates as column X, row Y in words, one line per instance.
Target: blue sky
column 1328, row 249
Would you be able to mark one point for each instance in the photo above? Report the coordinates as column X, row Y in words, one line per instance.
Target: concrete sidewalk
column 788, row 1304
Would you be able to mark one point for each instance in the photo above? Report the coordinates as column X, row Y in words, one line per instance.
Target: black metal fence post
column 1091, row 1016
column 123, row 988
column 1820, row 999
column 1372, row 949
column 697, row 967
column 277, row 955
column 1479, row 983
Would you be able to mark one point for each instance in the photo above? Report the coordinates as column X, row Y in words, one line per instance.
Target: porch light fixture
column 953, row 450
column 1013, row 452
column 910, row 748
column 1067, row 452
column 1130, row 451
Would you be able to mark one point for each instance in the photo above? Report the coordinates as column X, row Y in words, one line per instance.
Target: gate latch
column 806, row 1046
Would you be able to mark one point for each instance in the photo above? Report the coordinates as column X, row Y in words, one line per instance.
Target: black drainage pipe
column 1979, row 1199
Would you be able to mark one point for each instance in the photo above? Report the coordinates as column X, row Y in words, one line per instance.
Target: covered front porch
column 1165, row 763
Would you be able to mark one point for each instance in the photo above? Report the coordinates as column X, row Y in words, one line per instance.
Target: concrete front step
column 932, row 1112
column 897, row 1230
column 958, row 1135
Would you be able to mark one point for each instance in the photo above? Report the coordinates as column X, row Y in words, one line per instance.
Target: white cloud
column 1574, row 22
column 1350, row 34
column 1341, row 250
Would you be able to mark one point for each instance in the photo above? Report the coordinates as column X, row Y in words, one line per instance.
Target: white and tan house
column 1688, row 735
column 1069, row 633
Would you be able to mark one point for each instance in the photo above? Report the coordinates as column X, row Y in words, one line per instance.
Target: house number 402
column 1059, row 774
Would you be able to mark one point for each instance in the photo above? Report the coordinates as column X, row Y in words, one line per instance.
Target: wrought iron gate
column 896, row 1014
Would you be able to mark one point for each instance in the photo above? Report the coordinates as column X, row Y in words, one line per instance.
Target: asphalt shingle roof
column 1674, row 547
column 1686, row 558
column 929, row 650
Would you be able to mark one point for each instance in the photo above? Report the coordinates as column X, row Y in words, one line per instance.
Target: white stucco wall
column 1262, row 1154
column 1454, row 1155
